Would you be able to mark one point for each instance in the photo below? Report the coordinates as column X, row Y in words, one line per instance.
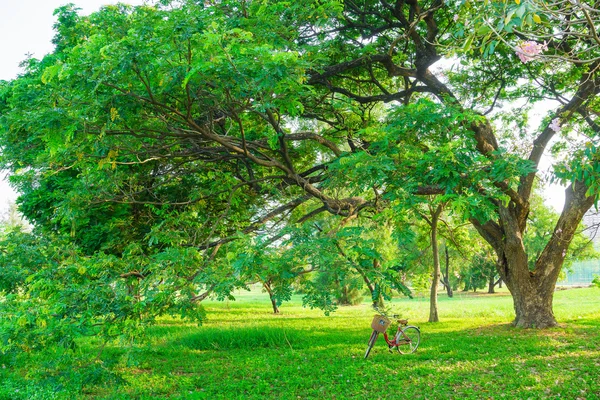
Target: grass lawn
column 243, row 351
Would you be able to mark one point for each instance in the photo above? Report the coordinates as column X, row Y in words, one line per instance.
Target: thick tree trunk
column 533, row 307
column 532, row 299
column 533, row 290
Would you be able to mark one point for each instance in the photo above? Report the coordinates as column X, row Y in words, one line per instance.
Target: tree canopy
column 189, row 148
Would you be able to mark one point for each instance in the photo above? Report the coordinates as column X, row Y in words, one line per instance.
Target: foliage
column 52, row 294
column 12, row 220
column 172, row 152
column 346, row 292
column 543, row 30
column 477, row 274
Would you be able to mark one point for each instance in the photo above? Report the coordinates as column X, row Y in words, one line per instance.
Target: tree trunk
column 533, row 290
column 443, row 280
column 344, row 300
column 375, row 295
column 491, row 282
column 275, row 306
column 267, row 286
column 447, row 275
column 467, row 285
column 433, row 303
column 533, row 307
column 532, row 299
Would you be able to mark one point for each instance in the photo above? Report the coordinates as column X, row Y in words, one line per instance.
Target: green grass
column 243, row 351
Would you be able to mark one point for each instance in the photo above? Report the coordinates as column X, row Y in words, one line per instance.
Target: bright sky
column 26, row 28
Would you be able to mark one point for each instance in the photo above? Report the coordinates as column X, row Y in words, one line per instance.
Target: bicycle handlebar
column 394, row 316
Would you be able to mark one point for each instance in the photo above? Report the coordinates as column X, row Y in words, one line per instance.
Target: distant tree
column 12, row 218
column 432, row 218
column 446, row 274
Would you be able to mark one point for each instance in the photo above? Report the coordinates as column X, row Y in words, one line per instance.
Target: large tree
column 195, row 125
column 554, row 57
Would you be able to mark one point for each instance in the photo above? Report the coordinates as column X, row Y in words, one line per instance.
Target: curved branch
column 587, row 88
column 383, row 59
column 317, row 138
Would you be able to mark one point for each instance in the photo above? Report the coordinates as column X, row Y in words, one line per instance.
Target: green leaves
column 60, row 294
column 51, row 72
column 184, row 150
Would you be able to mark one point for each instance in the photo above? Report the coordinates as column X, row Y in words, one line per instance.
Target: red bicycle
column 406, row 340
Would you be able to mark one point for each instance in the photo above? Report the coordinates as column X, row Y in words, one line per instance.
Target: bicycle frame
column 399, row 338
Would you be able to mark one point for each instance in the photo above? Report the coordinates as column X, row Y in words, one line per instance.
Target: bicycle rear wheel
column 372, row 340
column 408, row 340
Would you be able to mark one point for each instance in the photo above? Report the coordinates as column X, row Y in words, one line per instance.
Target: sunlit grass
column 244, row 351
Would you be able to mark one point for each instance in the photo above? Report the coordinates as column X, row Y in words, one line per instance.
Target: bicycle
column 406, row 340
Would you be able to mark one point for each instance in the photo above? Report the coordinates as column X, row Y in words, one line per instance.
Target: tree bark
column 533, row 290
column 491, row 282
column 433, row 303
column 344, row 298
column 532, row 296
column 376, row 295
column 267, row 286
column 446, row 277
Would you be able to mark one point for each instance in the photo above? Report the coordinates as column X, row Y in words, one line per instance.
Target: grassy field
column 245, row 352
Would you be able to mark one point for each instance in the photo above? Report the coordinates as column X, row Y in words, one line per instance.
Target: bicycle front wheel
column 372, row 340
column 409, row 340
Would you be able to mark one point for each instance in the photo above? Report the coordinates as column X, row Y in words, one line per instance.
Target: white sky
column 26, row 28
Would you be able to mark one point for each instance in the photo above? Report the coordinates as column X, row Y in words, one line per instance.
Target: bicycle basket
column 380, row 323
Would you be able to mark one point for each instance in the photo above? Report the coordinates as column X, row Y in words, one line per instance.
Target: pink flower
column 455, row 18
column 529, row 49
column 555, row 125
